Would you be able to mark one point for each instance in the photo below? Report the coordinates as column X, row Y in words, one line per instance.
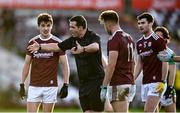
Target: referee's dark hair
column 80, row 21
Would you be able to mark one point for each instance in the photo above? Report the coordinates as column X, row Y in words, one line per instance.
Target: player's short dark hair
column 164, row 31
column 109, row 15
column 80, row 21
column 147, row 16
column 44, row 17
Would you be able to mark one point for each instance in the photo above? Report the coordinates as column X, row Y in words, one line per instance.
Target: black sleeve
column 95, row 38
column 66, row 44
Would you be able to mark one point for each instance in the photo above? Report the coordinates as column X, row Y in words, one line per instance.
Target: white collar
column 148, row 36
column 45, row 39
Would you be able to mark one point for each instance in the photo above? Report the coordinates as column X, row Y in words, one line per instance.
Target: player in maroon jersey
column 119, row 72
column 86, row 47
column 44, row 69
column 169, row 99
column 154, row 70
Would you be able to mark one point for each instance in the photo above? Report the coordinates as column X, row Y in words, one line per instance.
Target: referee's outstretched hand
column 22, row 91
column 64, row 91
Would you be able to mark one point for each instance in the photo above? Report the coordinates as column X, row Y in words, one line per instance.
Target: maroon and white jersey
column 44, row 67
column 148, row 48
column 124, row 45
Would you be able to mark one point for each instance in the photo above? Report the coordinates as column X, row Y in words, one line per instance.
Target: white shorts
column 168, row 101
column 114, row 92
column 42, row 94
column 150, row 90
column 132, row 93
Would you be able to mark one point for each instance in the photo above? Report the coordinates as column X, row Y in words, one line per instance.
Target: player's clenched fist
column 64, row 91
column 22, row 91
column 103, row 93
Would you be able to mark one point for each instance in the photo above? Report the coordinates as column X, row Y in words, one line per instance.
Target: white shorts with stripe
column 122, row 92
column 150, row 90
column 42, row 94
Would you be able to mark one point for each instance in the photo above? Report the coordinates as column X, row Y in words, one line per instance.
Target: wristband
column 103, row 87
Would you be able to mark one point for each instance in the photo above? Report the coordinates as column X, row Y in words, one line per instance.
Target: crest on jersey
column 149, row 44
column 140, row 45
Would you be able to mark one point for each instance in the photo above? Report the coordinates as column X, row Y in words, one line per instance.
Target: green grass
column 67, row 109
column 56, row 109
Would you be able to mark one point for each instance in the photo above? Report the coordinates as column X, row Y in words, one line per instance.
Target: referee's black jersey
column 89, row 65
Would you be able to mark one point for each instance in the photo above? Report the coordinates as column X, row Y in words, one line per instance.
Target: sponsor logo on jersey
column 140, row 45
column 149, row 44
column 146, row 53
column 43, row 55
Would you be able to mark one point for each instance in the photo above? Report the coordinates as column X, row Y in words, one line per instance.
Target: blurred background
column 18, row 25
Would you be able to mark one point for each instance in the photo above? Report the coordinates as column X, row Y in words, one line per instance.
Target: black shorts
column 89, row 96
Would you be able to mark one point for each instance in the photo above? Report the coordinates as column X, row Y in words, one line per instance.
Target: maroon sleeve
column 160, row 44
column 113, row 44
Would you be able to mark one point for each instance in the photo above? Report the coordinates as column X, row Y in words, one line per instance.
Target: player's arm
column 172, row 74
column 166, row 55
column 176, row 58
column 165, row 65
column 104, row 61
column 25, row 73
column 138, row 67
column 94, row 46
column 113, row 55
column 65, row 68
column 89, row 48
column 170, row 88
column 43, row 47
column 65, row 71
column 49, row 47
column 165, row 68
column 26, row 68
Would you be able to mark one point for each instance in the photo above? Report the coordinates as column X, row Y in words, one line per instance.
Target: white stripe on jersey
column 36, row 37
column 140, row 39
column 51, row 37
column 155, row 36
